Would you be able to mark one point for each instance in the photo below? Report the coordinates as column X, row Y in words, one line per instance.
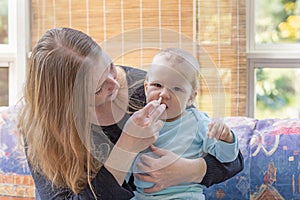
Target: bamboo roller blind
column 133, row 31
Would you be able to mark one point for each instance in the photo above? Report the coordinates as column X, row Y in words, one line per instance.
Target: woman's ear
column 192, row 98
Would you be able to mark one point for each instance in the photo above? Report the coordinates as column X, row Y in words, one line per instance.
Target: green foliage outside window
column 276, row 92
column 277, row 21
column 3, row 22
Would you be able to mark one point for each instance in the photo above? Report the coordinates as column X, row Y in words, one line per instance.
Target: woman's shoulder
column 133, row 74
column 135, row 78
column 132, row 69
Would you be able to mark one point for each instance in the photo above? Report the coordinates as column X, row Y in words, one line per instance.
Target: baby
column 173, row 79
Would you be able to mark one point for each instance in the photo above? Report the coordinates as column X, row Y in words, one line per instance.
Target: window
column 3, row 42
column 13, row 49
column 7, row 26
column 277, row 91
column 3, row 22
column 273, row 58
column 277, row 21
column 274, row 25
column 3, row 85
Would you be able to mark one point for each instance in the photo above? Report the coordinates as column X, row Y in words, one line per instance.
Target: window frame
column 14, row 54
column 266, row 55
column 264, row 63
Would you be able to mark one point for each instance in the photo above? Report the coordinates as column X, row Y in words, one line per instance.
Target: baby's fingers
column 215, row 128
column 226, row 135
column 212, row 131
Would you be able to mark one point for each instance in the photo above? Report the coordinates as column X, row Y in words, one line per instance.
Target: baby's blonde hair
column 178, row 57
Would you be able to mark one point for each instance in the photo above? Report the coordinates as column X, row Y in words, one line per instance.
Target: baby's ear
column 146, row 86
column 192, row 98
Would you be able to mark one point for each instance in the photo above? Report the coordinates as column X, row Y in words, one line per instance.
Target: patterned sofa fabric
column 15, row 178
column 272, row 164
column 275, row 161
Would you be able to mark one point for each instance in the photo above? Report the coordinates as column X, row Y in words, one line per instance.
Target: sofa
column 270, row 148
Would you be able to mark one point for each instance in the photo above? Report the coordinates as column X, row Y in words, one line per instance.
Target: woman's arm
column 139, row 132
column 218, row 172
column 169, row 169
column 104, row 186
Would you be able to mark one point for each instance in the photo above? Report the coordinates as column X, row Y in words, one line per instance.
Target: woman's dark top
column 104, row 184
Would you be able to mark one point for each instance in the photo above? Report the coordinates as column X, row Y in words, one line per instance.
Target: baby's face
column 171, row 85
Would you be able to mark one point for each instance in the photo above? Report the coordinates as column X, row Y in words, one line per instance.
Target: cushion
column 275, row 161
column 15, row 178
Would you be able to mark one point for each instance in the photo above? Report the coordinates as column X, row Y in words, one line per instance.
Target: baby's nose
column 165, row 93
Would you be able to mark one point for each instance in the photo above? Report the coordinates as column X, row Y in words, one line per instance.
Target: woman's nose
column 112, row 82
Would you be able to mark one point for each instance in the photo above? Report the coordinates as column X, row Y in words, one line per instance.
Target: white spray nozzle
column 159, row 100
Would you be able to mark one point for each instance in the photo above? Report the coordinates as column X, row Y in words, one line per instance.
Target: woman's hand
column 169, row 169
column 218, row 129
column 141, row 129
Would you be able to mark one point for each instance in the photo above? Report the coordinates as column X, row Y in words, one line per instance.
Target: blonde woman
column 84, row 120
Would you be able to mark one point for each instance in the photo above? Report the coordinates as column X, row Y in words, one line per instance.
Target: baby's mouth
column 159, row 101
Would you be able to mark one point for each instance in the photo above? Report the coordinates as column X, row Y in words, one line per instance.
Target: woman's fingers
column 147, row 178
column 147, row 164
column 142, row 128
column 157, row 112
column 156, row 188
column 150, row 108
column 158, row 151
column 149, row 114
column 157, row 126
column 162, row 158
column 144, row 177
column 143, row 167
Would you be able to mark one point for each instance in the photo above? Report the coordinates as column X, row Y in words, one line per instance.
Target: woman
column 79, row 131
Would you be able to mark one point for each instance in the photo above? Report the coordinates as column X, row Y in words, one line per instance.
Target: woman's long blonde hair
column 54, row 122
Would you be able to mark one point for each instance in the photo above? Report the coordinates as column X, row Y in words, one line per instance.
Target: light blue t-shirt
column 187, row 138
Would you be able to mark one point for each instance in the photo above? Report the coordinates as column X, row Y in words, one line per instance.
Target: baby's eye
column 177, row 89
column 156, row 85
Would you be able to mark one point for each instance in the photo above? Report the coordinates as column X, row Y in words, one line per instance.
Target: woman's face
column 107, row 87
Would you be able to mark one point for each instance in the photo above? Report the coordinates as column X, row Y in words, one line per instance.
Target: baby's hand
column 218, row 129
